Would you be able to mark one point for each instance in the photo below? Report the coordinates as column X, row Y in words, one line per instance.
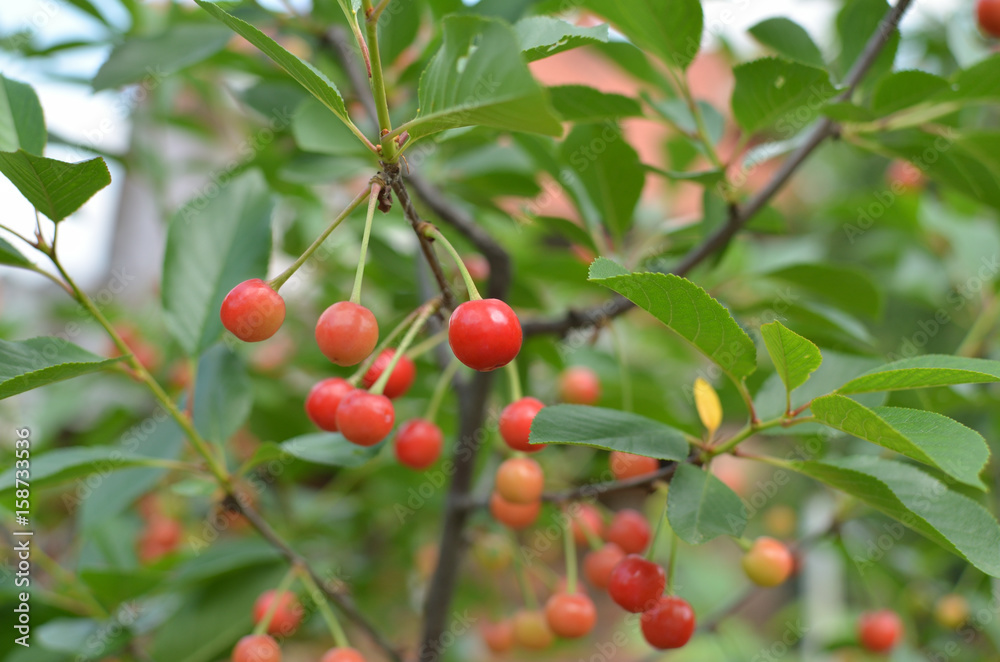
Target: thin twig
column 447, row 296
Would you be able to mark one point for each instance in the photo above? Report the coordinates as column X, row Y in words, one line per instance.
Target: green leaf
column 478, row 78
column 609, row 170
column 703, row 177
column 701, row 507
column 788, row 39
column 668, row 29
column 980, row 81
column 847, row 288
column 919, row 501
column 579, row 103
column 398, row 27
column 968, row 162
column 795, row 358
column 845, row 111
column 678, row 112
column 54, row 188
column 304, row 73
column 924, row 371
column 330, row 449
column 12, row 257
column 921, row 435
column 64, row 464
column 778, row 94
column 609, row 429
column 316, row 130
column 29, row 364
column 223, row 394
column 687, row 310
column 22, row 123
column 151, row 59
column 112, row 586
column 543, row 36
column 856, row 23
column 902, row 89
column 222, row 557
column 213, row 244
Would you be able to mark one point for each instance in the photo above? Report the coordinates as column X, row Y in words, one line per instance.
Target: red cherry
column 597, row 565
column 418, row 443
column 626, row 465
column 587, row 518
column 636, row 584
column 256, row 648
column 365, row 418
column 520, row 480
column 252, row 311
column 579, row 386
column 669, row 623
column 287, row 615
column 401, row 378
column 768, row 562
column 630, row 531
column 570, row 615
column 324, row 399
column 879, row 631
column 346, row 333
column 905, row 175
column 342, row 655
column 499, row 637
column 531, row 630
column 515, row 424
column 484, row 334
column 988, row 12
column 514, row 515
column 161, row 536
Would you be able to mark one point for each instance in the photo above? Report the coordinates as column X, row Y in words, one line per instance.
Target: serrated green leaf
column 701, row 507
column 794, row 357
column 12, row 257
column 902, row 89
column 477, row 77
column 921, row 435
column 543, row 36
column 54, row 188
column 22, row 123
column 611, row 174
column 579, row 103
column 213, row 245
column 304, row 73
column 316, row 130
column 980, row 81
column 223, row 394
column 668, row 29
column 789, row 39
column 37, row 362
column 924, row 371
column 151, row 59
column 609, row 429
column 686, row 309
column 778, row 94
column 919, row 501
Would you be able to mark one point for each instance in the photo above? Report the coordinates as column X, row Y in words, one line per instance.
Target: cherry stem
column 280, row 280
column 359, row 276
column 672, row 563
column 367, row 363
column 569, row 547
column 432, row 232
column 651, row 552
column 530, row 599
column 339, row 638
column 425, row 311
column 514, row 377
column 593, row 539
column 624, row 375
column 440, row 389
column 272, row 609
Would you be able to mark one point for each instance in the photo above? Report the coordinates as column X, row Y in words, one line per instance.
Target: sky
column 76, row 113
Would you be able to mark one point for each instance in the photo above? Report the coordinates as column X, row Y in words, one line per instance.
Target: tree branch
column 740, row 216
column 342, row 601
column 447, row 296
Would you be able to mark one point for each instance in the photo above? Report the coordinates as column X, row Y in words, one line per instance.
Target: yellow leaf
column 709, row 407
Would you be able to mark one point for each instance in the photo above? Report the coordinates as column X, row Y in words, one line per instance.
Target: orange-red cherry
column 418, row 443
column 626, row 465
column 570, row 615
column 252, row 311
column 401, row 378
column 579, row 385
column 630, row 531
column 598, row 564
column 668, row 623
column 514, row 515
column 346, row 333
column 880, row 631
column 520, row 480
column 636, row 584
column 324, row 400
column 515, row 424
column 287, row 615
column 484, row 334
column 256, row 648
column 365, row 418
